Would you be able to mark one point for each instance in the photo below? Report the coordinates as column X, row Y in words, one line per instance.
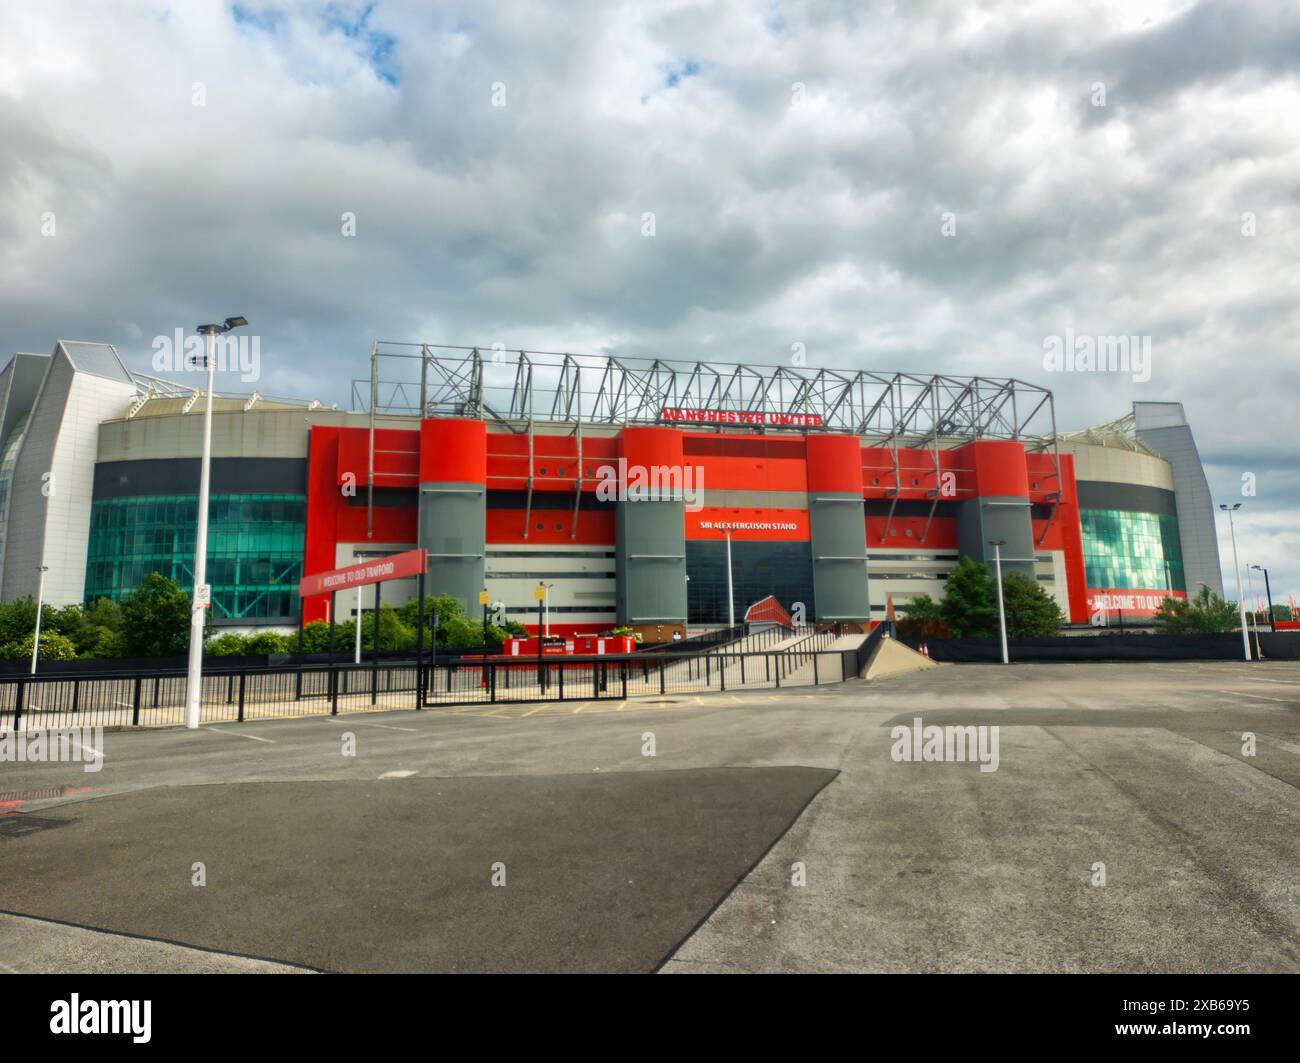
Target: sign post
column 539, row 592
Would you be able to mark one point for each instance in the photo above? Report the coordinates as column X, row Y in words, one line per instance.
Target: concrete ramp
column 893, row 658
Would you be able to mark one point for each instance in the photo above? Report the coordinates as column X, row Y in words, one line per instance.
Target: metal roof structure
column 518, row 389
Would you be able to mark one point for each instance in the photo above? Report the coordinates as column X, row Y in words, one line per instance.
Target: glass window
column 1132, row 551
column 255, row 545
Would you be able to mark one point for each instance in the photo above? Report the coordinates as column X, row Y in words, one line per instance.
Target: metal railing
column 232, row 695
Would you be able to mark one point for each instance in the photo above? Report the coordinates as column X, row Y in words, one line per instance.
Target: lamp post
column 1268, row 595
column 546, row 605
column 1236, row 568
column 198, row 602
column 997, row 545
column 40, row 599
column 731, row 597
column 356, row 632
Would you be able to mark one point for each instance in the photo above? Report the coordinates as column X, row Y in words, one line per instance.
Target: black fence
column 1127, row 647
column 234, row 662
column 156, row 698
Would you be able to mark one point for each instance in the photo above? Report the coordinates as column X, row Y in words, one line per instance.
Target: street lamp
column 40, row 599
column 546, row 607
column 201, row 599
column 1241, row 598
column 997, row 545
column 1268, row 594
column 731, row 597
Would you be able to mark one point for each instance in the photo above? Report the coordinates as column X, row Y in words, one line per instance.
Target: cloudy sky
column 927, row 185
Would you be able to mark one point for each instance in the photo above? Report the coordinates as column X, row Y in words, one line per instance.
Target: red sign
column 1103, row 601
column 395, row 566
column 771, row 420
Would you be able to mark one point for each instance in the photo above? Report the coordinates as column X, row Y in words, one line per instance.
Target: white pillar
column 731, row 597
column 356, row 650
column 1002, row 612
column 194, row 681
column 40, row 600
column 1241, row 598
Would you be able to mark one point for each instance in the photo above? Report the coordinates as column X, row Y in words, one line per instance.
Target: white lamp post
column 194, row 680
column 731, row 597
column 40, row 600
column 997, row 545
column 1241, row 598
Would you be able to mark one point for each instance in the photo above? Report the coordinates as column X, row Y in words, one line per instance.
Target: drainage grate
column 16, row 824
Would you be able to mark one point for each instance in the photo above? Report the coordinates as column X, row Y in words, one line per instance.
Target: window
column 255, row 545
column 1131, row 551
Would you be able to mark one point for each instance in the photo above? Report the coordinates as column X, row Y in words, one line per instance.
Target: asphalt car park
column 1141, row 817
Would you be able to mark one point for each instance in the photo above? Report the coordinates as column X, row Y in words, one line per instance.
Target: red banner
column 395, row 566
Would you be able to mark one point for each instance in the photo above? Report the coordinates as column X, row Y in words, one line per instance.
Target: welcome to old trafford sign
column 773, row 420
column 394, row 566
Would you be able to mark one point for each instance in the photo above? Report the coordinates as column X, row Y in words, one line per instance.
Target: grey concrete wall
column 453, row 531
column 650, row 541
column 839, row 548
column 980, row 520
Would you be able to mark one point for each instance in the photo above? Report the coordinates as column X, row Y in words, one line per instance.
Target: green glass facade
column 1128, row 551
column 255, row 547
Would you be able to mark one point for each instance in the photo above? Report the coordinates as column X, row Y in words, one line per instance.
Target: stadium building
column 626, row 487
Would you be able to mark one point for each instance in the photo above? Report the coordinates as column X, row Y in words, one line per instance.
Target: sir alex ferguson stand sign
column 395, row 566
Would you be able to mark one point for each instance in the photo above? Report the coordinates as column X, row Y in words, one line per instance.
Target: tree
column 1030, row 609
column 922, row 619
column 969, row 603
column 17, row 620
column 455, row 629
column 1204, row 614
column 231, row 644
column 54, row 647
column 271, row 642
column 156, row 619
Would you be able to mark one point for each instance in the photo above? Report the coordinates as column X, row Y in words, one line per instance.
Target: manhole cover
column 16, row 824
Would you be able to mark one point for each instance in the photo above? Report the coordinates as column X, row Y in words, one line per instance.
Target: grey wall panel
column 650, row 541
column 180, row 476
column 453, row 531
column 839, row 548
column 1163, row 427
column 1130, row 498
column 981, row 520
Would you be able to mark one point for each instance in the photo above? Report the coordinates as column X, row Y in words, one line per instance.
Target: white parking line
column 1263, row 697
column 237, row 734
column 366, row 723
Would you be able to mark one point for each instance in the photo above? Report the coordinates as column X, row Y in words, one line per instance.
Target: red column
column 834, row 464
column 453, row 450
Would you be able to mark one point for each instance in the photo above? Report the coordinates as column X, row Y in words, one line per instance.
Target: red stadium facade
column 909, row 496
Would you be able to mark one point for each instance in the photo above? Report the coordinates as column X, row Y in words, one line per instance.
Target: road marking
column 1290, row 747
column 698, row 701
column 398, row 774
column 621, row 706
column 580, row 708
column 93, row 750
column 1262, row 697
column 539, row 708
column 237, row 734
column 1284, row 682
column 347, row 721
